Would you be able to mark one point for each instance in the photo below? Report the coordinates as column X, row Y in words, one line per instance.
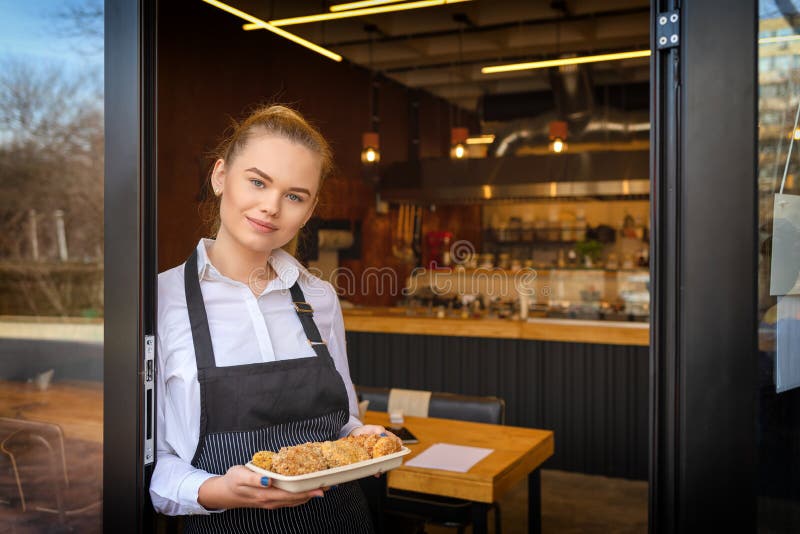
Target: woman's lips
column 261, row 226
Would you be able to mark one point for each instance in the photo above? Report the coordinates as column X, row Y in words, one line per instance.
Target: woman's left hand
column 372, row 429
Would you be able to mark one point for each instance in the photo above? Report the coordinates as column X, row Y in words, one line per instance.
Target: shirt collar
column 285, row 265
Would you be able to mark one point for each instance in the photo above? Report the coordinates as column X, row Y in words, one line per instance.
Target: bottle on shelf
column 446, row 251
column 553, row 226
column 580, row 225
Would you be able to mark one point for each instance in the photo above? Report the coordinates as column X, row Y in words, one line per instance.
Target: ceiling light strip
column 267, row 26
column 363, row 3
column 565, row 61
column 320, row 17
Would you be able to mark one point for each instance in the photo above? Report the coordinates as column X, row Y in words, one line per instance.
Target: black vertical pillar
column 129, row 223
column 704, row 213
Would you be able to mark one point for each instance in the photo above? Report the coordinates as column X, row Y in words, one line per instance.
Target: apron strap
column 201, row 335
column 306, row 315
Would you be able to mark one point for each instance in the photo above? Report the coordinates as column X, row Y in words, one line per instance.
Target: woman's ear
column 218, row 176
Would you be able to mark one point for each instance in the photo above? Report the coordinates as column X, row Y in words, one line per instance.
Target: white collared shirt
column 244, row 329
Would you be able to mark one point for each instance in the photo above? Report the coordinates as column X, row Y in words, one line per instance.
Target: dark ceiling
column 442, row 49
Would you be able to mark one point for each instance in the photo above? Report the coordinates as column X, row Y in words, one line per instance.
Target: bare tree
column 51, row 157
column 82, row 24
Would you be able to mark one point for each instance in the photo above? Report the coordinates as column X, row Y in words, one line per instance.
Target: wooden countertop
column 394, row 321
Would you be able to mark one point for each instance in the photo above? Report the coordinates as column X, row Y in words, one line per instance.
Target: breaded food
column 299, row 460
column 318, row 456
column 365, row 441
column 386, row 445
column 343, row 452
column 263, row 459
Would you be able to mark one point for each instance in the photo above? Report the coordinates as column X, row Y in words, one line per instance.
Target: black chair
column 421, row 507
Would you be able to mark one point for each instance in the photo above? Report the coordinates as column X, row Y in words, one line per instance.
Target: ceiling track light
column 363, row 3
column 565, row 61
column 267, row 26
column 603, row 57
column 321, row 17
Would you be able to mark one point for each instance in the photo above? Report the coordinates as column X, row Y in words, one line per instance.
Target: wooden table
column 518, row 453
column 75, row 406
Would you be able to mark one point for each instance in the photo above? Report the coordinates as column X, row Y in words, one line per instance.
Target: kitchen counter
column 395, row 321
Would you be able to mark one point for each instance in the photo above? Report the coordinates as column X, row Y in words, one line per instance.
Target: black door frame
column 704, row 270
column 704, row 243
column 130, row 257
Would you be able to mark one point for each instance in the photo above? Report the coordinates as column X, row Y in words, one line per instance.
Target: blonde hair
column 274, row 119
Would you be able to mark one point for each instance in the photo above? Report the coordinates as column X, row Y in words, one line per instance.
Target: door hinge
column 668, row 29
column 149, row 398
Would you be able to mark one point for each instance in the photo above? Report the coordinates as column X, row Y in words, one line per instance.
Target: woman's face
column 269, row 191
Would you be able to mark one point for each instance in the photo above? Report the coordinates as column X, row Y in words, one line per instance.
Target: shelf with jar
column 561, row 236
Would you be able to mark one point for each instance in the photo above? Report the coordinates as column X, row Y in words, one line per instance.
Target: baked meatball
column 343, row 452
column 263, row 459
column 299, row 460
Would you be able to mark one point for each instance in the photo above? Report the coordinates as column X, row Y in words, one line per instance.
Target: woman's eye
column 256, row 182
column 294, row 198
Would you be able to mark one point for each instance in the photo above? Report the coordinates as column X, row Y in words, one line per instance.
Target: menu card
column 449, row 457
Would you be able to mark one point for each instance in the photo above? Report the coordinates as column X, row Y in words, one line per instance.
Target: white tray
column 334, row 475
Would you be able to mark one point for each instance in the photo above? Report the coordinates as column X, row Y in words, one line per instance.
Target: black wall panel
column 594, row 397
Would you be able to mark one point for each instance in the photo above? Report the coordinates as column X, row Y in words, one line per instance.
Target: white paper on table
column 449, row 457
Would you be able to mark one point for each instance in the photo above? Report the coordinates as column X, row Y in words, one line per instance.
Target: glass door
column 778, row 310
column 52, row 266
column 77, row 264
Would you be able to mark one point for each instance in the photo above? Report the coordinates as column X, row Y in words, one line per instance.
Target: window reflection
column 778, row 427
column 51, row 266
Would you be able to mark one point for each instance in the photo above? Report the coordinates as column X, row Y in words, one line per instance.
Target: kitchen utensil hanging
column 403, row 246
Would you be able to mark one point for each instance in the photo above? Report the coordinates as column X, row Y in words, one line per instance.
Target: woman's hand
column 370, row 429
column 242, row 488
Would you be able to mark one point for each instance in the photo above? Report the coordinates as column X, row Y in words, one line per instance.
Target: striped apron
column 266, row 406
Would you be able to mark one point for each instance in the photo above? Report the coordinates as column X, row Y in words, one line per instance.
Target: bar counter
column 395, row 321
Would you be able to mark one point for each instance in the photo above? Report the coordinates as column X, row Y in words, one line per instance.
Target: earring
column 216, row 192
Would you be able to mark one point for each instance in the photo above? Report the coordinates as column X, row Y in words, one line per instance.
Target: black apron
column 266, row 406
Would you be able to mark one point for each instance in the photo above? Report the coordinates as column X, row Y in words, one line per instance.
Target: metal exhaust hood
column 598, row 174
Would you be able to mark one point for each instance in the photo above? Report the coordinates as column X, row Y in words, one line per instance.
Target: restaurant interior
column 487, row 232
column 562, row 234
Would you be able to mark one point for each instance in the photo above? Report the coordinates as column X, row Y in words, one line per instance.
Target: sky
column 28, row 30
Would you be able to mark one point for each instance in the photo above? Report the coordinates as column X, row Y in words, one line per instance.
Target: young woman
column 251, row 347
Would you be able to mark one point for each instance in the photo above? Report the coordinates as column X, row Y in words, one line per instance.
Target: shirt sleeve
column 337, row 345
column 175, row 482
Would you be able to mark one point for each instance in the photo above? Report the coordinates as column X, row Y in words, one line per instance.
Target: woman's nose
column 271, row 205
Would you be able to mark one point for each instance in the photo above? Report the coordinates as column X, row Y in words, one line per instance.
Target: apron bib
column 266, row 406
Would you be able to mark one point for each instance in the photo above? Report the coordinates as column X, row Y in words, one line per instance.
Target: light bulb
column 459, row 151
column 370, row 156
column 558, row 145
